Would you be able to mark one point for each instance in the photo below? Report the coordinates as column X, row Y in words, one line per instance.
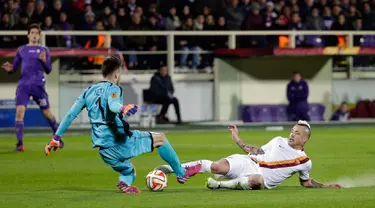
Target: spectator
column 88, row 25
column 97, row 6
column 162, row 88
column 56, row 11
column 123, row 18
column 283, row 20
column 246, row 5
column 153, row 12
column 336, row 12
column 104, row 18
column 30, row 9
column 354, row 14
column 307, row 9
column 189, row 43
column 65, row 26
column 254, row 21
column 6, row 41
column 297, row 24
column 40, row 13
column 270, row 16
column 291, row 3
column 295, row 9
column 368, row 17
column 220, row 40
column 47, row 25
column 322, row 5
column 209, row 42
column 341, row 114
column 22, row 25
column 139, row 11
column 97, row 42
column 185, row 13
column 117, row 41
column 341, row 24
column 135, row 43
column 279, row 5
column 327, row 18
column 155, row 43
column 116, row 5
column 297, row 93
column 12, row 13
column 345, row 4
column 315, row 22
column 172, row 21
column 131, row 6
column 210, row 23
column 234, row 15
column 206, row 11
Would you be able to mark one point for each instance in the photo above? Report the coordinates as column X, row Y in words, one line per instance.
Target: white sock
column 206, row 165
column 239, row 183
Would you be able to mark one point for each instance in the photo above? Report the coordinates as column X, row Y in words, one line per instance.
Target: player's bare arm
column 250, row 149
column 311, row 183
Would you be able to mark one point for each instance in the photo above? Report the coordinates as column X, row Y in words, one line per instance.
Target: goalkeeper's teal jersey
column 103, row 102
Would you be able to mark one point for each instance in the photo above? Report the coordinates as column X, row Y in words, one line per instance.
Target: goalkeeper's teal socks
column 168, row 154
column 128, row 179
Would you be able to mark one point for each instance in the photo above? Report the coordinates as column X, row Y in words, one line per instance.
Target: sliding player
column 35, row 60
column 264, row 167
column 111, row 134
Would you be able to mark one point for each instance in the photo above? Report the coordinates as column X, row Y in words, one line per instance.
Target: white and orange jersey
column 280, row 161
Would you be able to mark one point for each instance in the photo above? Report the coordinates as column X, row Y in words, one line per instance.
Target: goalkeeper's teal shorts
column 118, row 157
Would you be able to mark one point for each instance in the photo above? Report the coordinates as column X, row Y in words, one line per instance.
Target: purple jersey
column 32, row 69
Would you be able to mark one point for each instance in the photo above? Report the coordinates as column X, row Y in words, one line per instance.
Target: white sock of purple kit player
column 206, row 165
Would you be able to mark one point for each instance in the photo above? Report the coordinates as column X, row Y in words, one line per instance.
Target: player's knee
column 217, row 168
column 220, row 167
column 47, row 113
column 159, row 139
column 256, row 182
column 20, row 112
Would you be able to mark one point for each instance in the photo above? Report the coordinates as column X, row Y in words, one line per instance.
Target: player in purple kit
column 35, row 61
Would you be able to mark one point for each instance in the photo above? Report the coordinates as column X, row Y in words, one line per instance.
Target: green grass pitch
column 77, row 177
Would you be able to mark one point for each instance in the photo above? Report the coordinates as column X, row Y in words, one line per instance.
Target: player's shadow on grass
column 82, row 189
column 7, row 150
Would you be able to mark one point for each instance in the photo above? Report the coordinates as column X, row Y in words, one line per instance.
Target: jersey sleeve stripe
column 284, row 163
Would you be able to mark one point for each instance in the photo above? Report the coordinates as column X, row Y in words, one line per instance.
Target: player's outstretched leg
column 20, row 112
column 219, row 168
column 252, row 182
column 168, row 154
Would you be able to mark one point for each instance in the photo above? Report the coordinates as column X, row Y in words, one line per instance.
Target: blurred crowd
column 185, row 15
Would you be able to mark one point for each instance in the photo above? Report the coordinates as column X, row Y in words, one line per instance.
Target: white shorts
column 240, row 166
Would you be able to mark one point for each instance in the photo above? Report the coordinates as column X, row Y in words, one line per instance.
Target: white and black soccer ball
column 156, row 180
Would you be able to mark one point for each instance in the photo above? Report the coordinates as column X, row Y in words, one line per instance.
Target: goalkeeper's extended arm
column 74, row 111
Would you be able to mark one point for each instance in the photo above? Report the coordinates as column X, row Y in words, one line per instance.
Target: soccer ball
column 156, row 180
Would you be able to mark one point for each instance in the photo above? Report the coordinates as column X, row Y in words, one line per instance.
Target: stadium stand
column 195, row 15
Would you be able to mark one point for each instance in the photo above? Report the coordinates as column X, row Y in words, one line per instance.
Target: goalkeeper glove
column 55, row 143
column 129, row 109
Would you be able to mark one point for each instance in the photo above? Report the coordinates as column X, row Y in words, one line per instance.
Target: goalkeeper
column 111, row 134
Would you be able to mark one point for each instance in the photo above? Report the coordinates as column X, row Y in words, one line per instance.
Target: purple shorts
column 38, row 92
